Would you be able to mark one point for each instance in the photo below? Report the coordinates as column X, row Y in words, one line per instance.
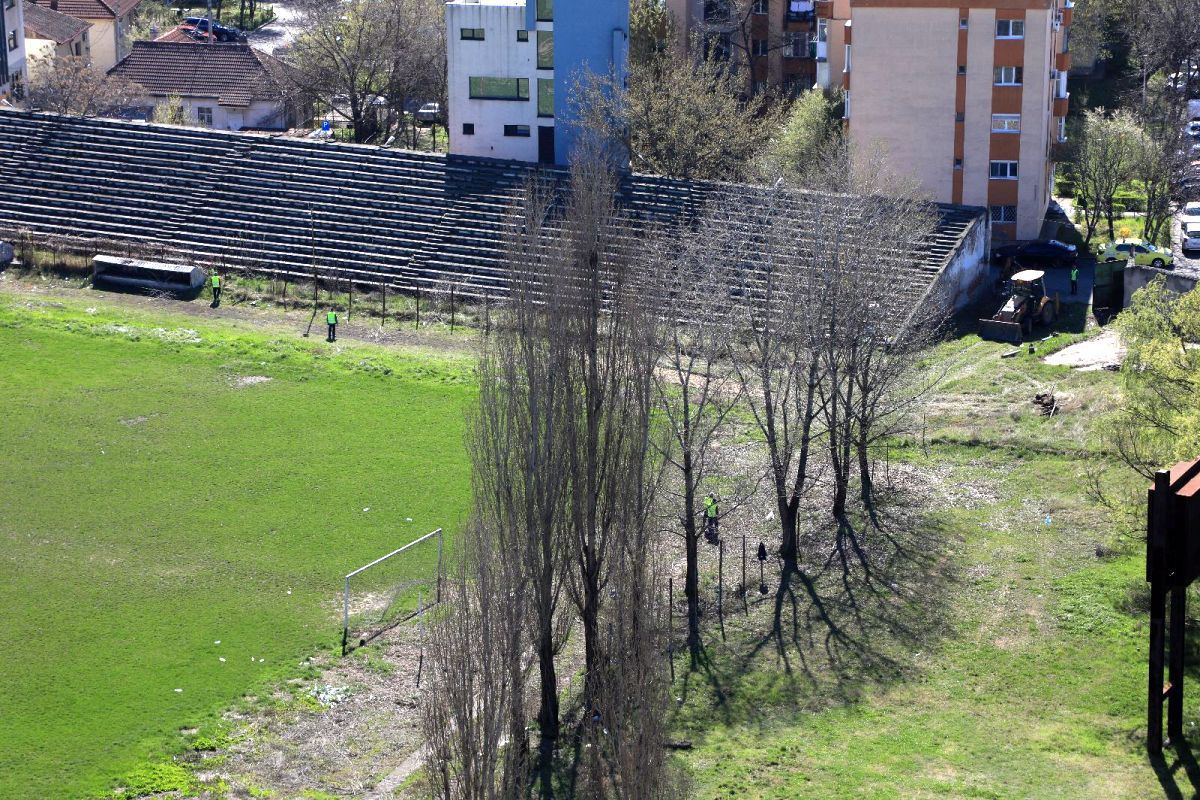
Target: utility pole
column 209, row 19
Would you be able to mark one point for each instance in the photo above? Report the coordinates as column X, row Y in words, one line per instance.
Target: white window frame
column 201, row 113
column 760, row 7
column 999, row 75
column 797, row 45
column 997, row 214
column 1004, row 121
column 846, row 68
column 822, row 30
column 760, row 47
column 1010, row 24
column 1003, row 171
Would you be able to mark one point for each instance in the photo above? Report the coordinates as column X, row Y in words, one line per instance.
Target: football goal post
column 391, row 589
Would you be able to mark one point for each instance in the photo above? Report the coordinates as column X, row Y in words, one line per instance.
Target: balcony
column 1060, row 105
column 1062, row 62
column 1068, row 12
column 799, row 11
column 821, row 51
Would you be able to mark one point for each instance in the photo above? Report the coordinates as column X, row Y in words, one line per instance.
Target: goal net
column 392, row 588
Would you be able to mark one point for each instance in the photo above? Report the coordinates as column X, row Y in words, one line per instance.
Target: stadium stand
column 281, row 204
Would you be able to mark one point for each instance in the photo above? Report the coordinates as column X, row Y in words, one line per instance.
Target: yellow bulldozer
column 1027, row 304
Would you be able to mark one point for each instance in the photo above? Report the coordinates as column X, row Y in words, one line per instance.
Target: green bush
column 1132, row 201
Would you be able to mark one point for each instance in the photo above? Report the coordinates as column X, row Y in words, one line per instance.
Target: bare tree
column 365, row 58
column 475, row 681
column 680, row 118
column 520, row 452
column 69, row 85
column 694, row 392
column 1102, row 161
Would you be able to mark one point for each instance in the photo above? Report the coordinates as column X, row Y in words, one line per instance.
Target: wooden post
column 1155, row 569
column 418, row 324
column 383, row 315
column 1178, row 634
column 721, row 586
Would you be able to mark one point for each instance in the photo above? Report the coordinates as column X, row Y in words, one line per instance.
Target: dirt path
column 262, row 317
column 1099, row 352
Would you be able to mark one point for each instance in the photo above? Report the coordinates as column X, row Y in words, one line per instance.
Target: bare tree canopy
column 69, row 85
column 368, row 59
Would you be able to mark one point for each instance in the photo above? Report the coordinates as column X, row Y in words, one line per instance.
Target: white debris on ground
column 1099, row 352
column 243, row 381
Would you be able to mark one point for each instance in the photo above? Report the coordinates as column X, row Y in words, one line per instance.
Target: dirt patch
column 1100, row 352
column 242, row 381
column 133, row 422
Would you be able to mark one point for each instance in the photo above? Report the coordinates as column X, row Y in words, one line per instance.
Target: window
column 545, row 97
column 10, row 4
column 847, row 61
column 499, row 88
column 471, row 34
column 759, row 7
column 960, row 116
column 962, row 69
column 1004, row 213
column 204, row 116
column 12, row 40
column 1008, row 76
column 1006, row 123
column 822, row 30
column 522, row 36
column 516, row 130
column 962, row 23
column 958, row 163
column 1010, row 29
column 78, row 49
column 1062, row 129
column 846, row 106
column 468, row 129
column 759, row 47
column 1004, row 171
column 797, row 45
column 545, row 10
column 545, row 45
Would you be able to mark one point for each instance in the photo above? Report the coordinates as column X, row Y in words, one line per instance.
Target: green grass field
column 1008, row 658
column 153, row 506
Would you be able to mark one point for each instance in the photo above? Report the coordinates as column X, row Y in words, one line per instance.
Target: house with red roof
column 228, row 86
column 50, row 34
column 110, row 24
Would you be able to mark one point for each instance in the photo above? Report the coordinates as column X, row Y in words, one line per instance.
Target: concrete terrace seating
column 272, row 203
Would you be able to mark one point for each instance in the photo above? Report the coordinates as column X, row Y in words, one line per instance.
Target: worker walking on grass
column 711, row 518
column 216, row 289
column 1074, row 279
column 331, row 321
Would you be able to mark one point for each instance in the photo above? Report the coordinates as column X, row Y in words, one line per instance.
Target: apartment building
column 967, row 96
column 511, row 66
column 12, row 61
column 775, row 39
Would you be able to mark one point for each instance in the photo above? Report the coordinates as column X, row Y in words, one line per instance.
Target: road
column 279, row 33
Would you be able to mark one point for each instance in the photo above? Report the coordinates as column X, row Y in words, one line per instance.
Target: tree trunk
column 789, row 555
column 867, row 486
column 548, row 679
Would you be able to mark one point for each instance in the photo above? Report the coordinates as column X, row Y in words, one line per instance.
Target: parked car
column 222, row 33
column 1190, row 240
column 429, row 113
column 1189, row 213
column 1193, row 129
column 1039, row 252
column 1142, row 253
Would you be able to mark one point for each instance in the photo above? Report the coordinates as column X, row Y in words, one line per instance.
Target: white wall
column 499, row 55
column 260, row 114
column 104, row 44
column 964, row 279
column 14, row 20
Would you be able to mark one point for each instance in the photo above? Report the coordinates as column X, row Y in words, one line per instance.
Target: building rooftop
column 92, row 9
column 235, row 74
column 183, row 33
column 42, row 22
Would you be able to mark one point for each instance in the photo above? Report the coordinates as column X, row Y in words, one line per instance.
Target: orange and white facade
column 967, row 96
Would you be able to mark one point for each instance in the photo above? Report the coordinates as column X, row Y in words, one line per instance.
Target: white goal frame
column 346, row 588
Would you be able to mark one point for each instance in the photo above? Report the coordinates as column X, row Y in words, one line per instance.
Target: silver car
column 1191, row 236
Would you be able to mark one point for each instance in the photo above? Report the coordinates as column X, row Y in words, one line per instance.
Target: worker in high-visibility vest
column 215, row 282
column 711, row 518
column 331, row 321
column 1074, row 278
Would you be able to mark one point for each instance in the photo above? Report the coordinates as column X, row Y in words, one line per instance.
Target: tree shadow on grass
column 853, row 620
column 1177, row 771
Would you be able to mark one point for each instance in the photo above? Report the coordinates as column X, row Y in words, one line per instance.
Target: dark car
column 1039, row 252
column 222, row 33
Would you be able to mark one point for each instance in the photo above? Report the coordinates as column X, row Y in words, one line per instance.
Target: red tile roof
column 235, row 74
column 181, row 33
column 93, row 9
column 42, row 23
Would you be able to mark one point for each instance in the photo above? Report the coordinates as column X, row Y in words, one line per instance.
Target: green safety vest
column 710, row 507
column 1074, row 273
column 216, row 281
column 331, row 318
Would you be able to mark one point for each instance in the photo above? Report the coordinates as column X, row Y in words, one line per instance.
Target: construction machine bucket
column 997, row 331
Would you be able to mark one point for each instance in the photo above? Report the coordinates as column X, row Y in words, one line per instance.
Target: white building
column 501, row 102
column 511, row 65
column 12, row 33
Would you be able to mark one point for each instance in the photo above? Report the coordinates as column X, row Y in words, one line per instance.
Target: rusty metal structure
column 1172, row 563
